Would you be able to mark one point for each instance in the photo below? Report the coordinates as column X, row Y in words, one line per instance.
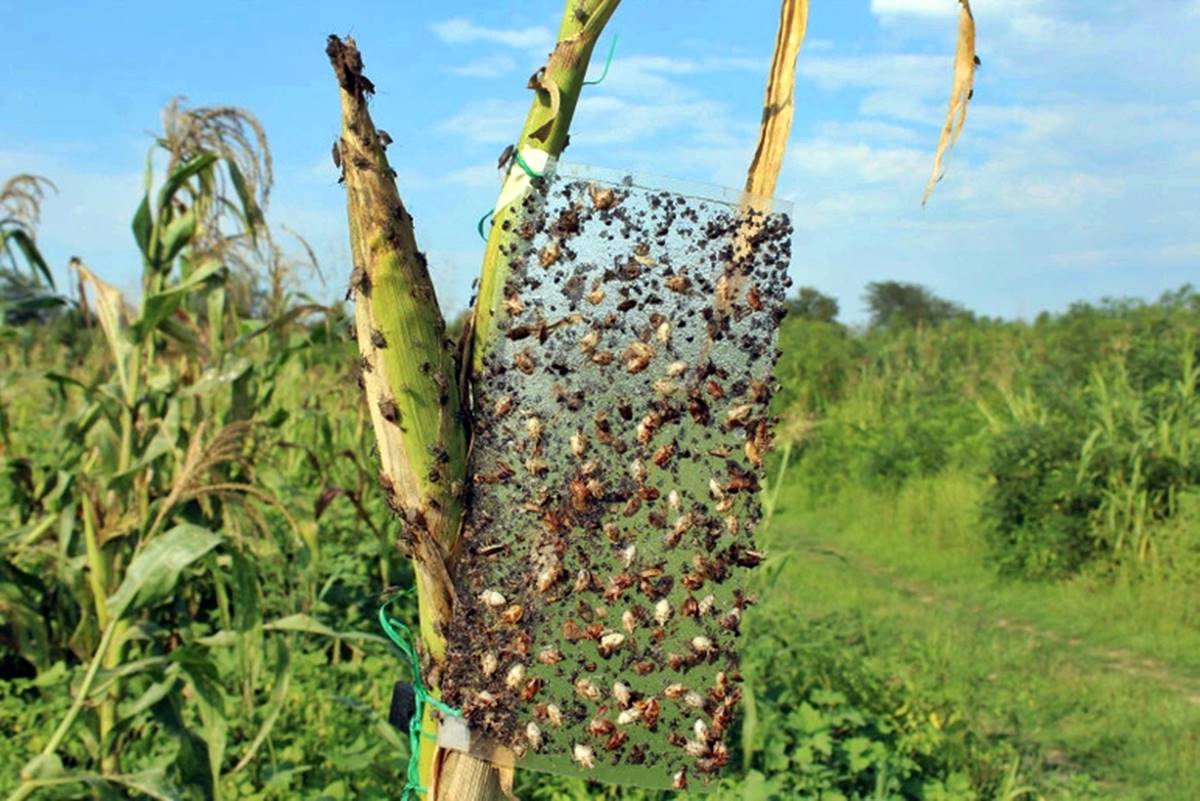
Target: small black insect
column 360, row 280
column 506, row 156
column 384, row 138
column 377, row 338
column 337, row 153
column 389, row 410
column 581, row 14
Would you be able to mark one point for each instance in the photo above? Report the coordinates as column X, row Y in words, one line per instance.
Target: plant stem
column 98, row 581
column 65, row 725
column 778, row 102
column 409, row 374
column 541, row 142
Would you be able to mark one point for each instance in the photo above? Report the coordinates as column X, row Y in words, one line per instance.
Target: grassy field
column 1097, row 683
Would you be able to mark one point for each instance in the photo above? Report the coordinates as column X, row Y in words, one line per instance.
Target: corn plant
column 424, row 391
column 1141, row 451
column 149, row 511
column 26, row 283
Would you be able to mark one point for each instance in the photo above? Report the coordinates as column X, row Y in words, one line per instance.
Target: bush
column 1038, row 510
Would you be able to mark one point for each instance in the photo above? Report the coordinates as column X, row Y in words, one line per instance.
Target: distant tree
column 811, row 304
column 894, row 304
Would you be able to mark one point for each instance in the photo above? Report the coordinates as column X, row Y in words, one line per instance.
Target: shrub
column 1038, row 510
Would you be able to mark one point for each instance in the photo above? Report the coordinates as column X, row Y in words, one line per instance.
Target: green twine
column 482, row 220
column 612, row 48
column 521, row 163
column 421, row 697
column 528, row 171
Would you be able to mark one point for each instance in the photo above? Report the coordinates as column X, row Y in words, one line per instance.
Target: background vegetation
column 984, row 535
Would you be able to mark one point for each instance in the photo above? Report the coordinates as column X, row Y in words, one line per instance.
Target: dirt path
column 1080, row 652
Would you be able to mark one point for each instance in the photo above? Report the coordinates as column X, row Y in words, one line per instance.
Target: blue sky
column 1078, row 175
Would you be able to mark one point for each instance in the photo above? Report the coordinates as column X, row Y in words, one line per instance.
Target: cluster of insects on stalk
column 620, row 429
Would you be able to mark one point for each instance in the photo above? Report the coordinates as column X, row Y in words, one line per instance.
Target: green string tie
column 421, row 696
column 528, row 171
column 483, row 220
column 612, row 48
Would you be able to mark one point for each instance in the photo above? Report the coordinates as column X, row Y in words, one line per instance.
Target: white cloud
column 947, row 8
column 476, row 176
column 486, row 67
column 657, row 76
column 1181, row 251
column 461, row 30
column 641, row 98
column 487, row 122
column 607, row 120
column 922, row 7
column 849, row 161
column 913, row 73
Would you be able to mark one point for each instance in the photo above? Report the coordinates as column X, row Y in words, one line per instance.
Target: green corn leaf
column 107, row 678
column 302, row 623
column 283, row 681
column 179, row 233
column 158, row 306
column 29, row 250
column 205, row 682
column 182, row 331
column 152, row 783
column 182, row 174
column 218, row 376
column 284, row 319
column 251, row 213
column 129, row 710
column 216, row 323
column 309, row 625
column 143, row 226
column 159, row 446
column 153, row 573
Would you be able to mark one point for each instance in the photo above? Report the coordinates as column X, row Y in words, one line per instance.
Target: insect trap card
column 620, row 435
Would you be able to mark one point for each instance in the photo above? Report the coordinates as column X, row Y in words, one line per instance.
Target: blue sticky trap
column 621, row 421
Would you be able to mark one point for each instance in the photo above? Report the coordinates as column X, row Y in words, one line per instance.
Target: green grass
column 1094, row 678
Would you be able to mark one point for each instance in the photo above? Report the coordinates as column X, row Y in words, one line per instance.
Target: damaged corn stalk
column 406, row 365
